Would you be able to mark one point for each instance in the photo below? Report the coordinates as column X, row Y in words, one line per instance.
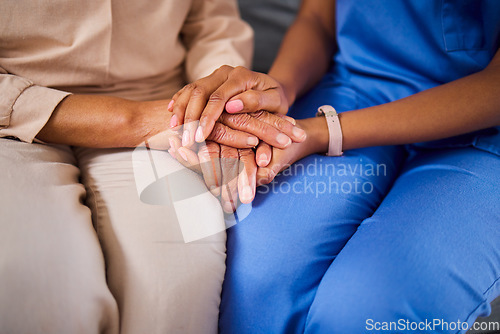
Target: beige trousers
column 80, row 252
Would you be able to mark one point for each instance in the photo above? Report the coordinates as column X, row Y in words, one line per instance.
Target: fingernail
column 263, row 160
column 234, row 106
column 182, row 153
column 284, row 140
column 199, row 135
column 174, row 121
column 170, row 104
column 185, row 138
column 172, row 153
column 299, row 133
column 252, row 141
column 291, row 120
column 246, row 194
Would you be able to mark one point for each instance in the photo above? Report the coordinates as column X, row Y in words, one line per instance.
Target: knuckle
column 219, row 133
column 241, row 73
column 260, row 114
column 216, row 97
column 240, row 70
column 278, row 122
column 229, row 152
column 240, row 120
column 224, row 68
column 190, row 86
column 274, row 120
column 198, row 91
column 212, row 149
column 245, row 153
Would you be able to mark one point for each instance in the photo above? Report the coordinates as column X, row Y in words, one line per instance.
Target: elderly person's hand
column 227, row 171
column 231, row 173
column 245, row 130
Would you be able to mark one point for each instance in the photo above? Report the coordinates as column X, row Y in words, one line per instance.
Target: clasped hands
column 231, row 127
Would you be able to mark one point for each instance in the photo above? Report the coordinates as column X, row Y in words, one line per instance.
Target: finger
column 197, row 102
column 263, row 128
column 282, row 124
column 223, row 134
column 263, row 154
column 239, row 80
column 230, row 169
column 209, row 156
column 181, row 99
column 187, row 158
column 194, row 108
column 175, row 143
column 288, row 118
column 247, row 177
column 174, row 98
column 180, row 104
column 254, row 100
column 188, row 131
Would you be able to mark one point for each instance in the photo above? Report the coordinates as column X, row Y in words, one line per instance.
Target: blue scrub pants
column 380, row 240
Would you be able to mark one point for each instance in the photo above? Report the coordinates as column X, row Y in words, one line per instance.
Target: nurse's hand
column 235, row 90
column 316, row 142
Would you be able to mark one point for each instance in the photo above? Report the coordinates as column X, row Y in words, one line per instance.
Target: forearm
column 307, row 49
column 465, row 105
column 103, row 122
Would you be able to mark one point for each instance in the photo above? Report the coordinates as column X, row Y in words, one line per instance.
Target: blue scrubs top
column 389, row 49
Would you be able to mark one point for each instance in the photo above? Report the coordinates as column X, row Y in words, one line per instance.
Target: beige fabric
column 136, row 274
column 140, row 50
column 53, row 277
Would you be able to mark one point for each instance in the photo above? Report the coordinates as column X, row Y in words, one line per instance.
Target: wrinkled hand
column 236, row 90
column 245, row 130
column 227, row 171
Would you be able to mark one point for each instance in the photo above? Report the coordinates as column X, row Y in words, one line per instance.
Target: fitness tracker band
column 334, row 130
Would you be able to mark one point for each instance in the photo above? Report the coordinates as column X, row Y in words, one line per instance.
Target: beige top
column 141, row 50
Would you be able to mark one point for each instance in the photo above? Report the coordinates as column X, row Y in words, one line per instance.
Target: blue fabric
column 391, row 49
column 385, row 233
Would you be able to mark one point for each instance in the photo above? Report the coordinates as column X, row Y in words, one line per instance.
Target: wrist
column 149, row 122
column 316, row 129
